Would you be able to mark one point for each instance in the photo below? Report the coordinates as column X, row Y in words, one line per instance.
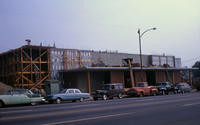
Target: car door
column 77, row 94
column 69, row 95
column 16, row 97
column 112, row 91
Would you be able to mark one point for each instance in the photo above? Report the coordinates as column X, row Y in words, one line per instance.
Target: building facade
column 29, row 66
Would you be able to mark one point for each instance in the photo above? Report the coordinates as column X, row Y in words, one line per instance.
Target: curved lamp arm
column 145, row 31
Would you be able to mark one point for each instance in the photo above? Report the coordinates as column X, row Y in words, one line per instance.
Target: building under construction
column 30, row 66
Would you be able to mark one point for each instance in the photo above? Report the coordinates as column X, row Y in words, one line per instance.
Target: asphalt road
column 180, row 109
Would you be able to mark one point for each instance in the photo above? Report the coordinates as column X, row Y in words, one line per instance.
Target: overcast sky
column 104, row 25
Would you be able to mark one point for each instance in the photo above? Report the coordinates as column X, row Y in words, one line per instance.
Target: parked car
column 142, row 89
column 166, row 88
column 67, row 95
column 183, row 87
column 108, row 91
column 20, row 96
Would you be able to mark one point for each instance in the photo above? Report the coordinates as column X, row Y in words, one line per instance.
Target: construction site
column 30, row 66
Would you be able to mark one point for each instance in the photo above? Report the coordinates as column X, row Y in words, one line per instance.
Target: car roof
column 141, row 83
column 114, row 84
column 19, row 89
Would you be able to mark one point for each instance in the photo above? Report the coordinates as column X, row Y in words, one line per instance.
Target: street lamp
column 140, row 36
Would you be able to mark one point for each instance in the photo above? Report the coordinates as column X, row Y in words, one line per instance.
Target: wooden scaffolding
column 25, row 67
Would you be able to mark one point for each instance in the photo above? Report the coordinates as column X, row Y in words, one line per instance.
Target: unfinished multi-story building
column 29, row 66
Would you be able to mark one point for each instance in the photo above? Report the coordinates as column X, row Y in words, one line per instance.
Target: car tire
column 105, row 97
column 1, row 104
column 120, row 96
column 58, row 100
column 51, row 101
column 153, row 93
column 81, row 99
column 33, row 103
column 163, row 92
column 141, row 94
column 95, row 99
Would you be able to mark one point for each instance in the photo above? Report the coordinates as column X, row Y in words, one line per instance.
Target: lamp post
column 140, row 36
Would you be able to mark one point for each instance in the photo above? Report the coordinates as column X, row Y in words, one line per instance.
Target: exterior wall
column 160, row 76
column 178, row 62
column 116, row 59
column 57, row 62
column 177, row 77
column 98, row 79
column 82, row 82
column 65, row 59
column 158, row 60
column 117, row 77
column 140, row 76
column 75, row 80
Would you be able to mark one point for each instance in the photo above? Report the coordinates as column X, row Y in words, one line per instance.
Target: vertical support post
column 22, row 82
column 173, row 80
column 40, row 63
column 65, row 60
column 71, row 60
column 79, row 59
column 131, row 73
column 89, row 82
column 31, row 57
column 190, row 77
column 49, row 65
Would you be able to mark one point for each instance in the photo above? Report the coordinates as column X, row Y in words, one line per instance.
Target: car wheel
column 105, row 97
column 1, row 104
column 163, row 92
column 81, row 99
column 153, row 93
column 95, row 99
column 120, row 96
column 33, row 103
column 58, row 100
column 51, row 101
column 141, row 94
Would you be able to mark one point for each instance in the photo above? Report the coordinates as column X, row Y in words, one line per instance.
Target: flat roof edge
column 126, row 69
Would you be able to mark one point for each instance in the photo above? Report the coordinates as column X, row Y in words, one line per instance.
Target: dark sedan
column 183, row 87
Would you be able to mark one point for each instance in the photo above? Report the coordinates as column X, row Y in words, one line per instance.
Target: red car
column 142, row 89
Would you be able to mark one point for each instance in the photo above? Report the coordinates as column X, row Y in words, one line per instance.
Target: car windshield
column 105, row 87
column 140, row 85
column 18, row 91
column 159, row 84
column 63, row 91
column 180, row 85
column 162, row 84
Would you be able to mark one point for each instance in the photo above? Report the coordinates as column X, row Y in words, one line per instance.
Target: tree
column 196, row 73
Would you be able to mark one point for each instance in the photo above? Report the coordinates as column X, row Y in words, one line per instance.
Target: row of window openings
column 71, row 53
column 57, row 67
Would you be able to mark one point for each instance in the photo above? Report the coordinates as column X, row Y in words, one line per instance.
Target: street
column 179, row 109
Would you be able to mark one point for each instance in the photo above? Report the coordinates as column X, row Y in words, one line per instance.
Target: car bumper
column 98, row 96
column 131, row 93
